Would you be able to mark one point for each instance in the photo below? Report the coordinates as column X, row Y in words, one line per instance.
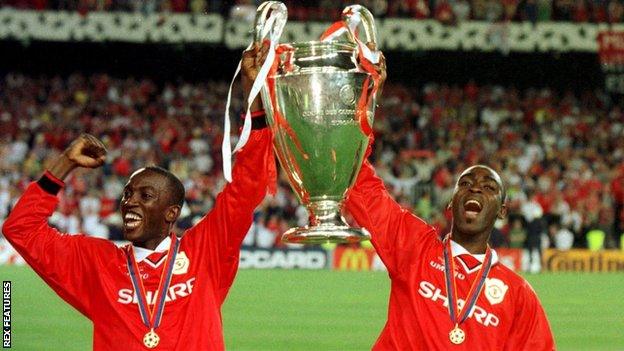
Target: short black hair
column 177, row 188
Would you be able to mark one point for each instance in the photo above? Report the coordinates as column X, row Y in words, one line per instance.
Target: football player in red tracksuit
column 433, row 279
column 138, row 296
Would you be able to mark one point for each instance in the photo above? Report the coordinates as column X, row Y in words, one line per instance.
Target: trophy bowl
column 315, row 99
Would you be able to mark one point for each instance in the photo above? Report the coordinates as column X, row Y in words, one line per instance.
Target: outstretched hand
column 251, row 62
column 85, row 151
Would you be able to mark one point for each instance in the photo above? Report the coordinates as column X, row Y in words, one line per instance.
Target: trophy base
column 325, row 234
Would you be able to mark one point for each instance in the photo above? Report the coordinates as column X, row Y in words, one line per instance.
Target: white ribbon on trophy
column 272, row 29
column 353, row 17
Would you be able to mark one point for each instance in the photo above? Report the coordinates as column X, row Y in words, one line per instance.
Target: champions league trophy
column 319, row 99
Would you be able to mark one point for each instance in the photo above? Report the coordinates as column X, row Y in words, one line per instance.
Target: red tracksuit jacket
column 91, row 274
column 507, row 316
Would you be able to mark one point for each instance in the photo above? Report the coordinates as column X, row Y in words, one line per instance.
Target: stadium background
column 538, row 112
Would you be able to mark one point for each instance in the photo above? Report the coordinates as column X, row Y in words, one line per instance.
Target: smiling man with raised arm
column 160, row 291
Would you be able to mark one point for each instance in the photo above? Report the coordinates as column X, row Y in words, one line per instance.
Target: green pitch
column 322, row 310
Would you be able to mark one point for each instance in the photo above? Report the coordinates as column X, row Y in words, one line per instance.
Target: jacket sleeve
column 221, row 232
column 61, row 260
column 396, row 233
column 531, row 330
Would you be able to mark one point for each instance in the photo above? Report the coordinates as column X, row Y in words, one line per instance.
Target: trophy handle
column 263, row 25
column 354, row 14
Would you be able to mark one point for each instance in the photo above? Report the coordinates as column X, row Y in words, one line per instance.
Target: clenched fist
column 86, row 151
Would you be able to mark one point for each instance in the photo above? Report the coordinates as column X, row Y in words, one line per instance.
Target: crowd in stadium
column 561, row 154
column 445, row 11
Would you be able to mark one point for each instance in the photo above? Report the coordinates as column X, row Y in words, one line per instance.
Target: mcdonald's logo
column 353, row 259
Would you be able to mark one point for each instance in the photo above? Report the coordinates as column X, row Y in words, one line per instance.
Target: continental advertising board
column 583, row 261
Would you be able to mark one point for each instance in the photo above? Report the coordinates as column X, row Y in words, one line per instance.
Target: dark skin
column 148, row 209
column 476, row 204
column 146, row 206
column 145, row 195
column 252, row 60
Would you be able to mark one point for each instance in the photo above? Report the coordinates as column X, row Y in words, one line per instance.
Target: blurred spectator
column 533, row 212
column 595, row 239
column 517, row 233
column 562, row 237
column 198, row 6
column 615, row 11
column 563, row 9
column 497, row 238
column 510, row 8
column 444, row 12
column 243, row 10
column 259, row 235
column 424, row 207
column 461, row 9
column 529, row 11
column 580, row 11
column 544, row 11
column 557, row 151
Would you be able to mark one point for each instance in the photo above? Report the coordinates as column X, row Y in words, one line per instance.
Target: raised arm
column 395, row 232
column 63, row 261
column 222, row 230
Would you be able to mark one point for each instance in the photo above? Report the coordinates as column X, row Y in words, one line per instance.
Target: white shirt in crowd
column 259, row 235
column 91, row 226
column 531, row 210
column 89, row 205
column 564, row 239
column 5, row 201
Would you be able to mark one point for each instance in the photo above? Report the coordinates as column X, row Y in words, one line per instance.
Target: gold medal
column 151, row 317
column 460, row 314
column 151, row 339
column 457, row 336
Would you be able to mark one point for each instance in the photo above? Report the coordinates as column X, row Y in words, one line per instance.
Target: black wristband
column 258, row 123
column 49, row 185
column 258, row 119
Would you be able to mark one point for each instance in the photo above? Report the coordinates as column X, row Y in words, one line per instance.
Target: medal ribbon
column 451, row 288
column 152, row 317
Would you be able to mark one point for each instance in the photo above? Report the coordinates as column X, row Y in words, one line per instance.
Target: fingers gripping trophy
column 319, row 99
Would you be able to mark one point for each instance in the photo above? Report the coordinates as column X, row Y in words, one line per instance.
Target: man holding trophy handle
column 446, row 294
column 160, row 291
column 450, row 294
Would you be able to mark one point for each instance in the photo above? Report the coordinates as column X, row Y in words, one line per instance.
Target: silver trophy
column 315, row 98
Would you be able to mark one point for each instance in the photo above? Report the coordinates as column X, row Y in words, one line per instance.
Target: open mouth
column 472, row 208
column 132, row 220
